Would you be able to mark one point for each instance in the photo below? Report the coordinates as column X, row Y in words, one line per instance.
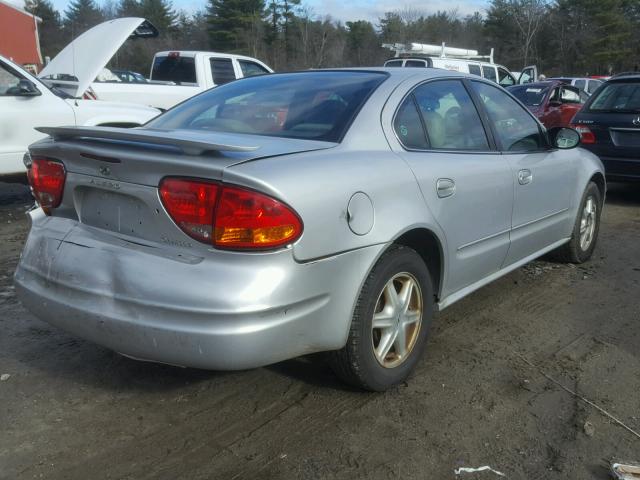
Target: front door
column 541, row 176
column 466, row 184
column 20, row 114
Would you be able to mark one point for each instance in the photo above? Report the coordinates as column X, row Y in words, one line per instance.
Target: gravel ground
column 72, row 410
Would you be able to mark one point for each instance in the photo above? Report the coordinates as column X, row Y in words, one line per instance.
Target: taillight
column 586, row 135
column 47, row 178
column 229, row 217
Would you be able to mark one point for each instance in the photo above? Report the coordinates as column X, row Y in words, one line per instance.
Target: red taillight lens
column 229, row 217
column 248, row 219
column 586, row 135
column 191, row 204
column 47, row 178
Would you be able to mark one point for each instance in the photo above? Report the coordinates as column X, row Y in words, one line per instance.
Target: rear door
column 467, row 185
column 223, row 70
column 541, row 177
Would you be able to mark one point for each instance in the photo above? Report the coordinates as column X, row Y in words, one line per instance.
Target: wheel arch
column 427, row 244
column 600, row 181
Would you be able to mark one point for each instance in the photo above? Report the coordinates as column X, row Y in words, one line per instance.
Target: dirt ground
column 73, row 410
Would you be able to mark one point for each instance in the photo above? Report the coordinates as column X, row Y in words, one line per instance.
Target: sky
column 344, row 10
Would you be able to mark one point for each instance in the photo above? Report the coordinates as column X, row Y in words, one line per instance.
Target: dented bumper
column 220, row 310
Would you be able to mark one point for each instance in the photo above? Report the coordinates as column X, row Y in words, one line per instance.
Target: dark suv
column 609, row 126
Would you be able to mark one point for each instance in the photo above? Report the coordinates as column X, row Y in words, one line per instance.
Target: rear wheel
column 585, row 231
column 390, row 323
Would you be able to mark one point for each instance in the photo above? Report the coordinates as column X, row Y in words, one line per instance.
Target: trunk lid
column 113, row 174
column 80, row 62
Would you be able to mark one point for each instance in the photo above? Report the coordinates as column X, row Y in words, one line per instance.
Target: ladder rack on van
column 442, row 51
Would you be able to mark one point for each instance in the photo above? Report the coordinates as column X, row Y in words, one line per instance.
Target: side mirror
column 564, row 138
column 26, row 88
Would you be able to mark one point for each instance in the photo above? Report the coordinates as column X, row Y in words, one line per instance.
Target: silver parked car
column 287, row 214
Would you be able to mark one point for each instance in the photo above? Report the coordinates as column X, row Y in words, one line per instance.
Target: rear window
column 617, row 97
column 307, row 105
column 173, row 68
column 530, row 96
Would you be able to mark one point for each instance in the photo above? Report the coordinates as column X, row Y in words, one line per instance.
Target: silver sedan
column 277, row 216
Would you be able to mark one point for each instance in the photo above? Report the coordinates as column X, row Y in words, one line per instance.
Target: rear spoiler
column 191, row 143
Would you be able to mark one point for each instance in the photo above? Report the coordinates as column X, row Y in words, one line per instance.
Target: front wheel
column 390, row 323
column 585, row 230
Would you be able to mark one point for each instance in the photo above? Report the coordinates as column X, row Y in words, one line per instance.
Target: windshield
column 530, row 96
column 617, row 97
column 310, row 105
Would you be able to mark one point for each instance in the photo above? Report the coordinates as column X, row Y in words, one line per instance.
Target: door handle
column 445, row 187
column 525, row 176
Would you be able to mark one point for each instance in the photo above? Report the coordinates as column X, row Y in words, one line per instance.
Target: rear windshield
column 174, row 69
column 617, row 97
column 530, row 96
column 308, row 105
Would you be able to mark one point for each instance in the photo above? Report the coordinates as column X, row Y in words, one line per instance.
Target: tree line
column 569, row 37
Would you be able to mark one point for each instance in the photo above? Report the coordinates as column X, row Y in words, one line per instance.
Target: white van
column 457, row 59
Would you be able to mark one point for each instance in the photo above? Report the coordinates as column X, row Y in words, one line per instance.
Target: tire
column 357, row 362
column 576, row 251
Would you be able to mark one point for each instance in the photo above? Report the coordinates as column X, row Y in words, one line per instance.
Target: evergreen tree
column 129, row 8
column 50, row 30
column 80, row 16
column 234, row 24
column 160, row 13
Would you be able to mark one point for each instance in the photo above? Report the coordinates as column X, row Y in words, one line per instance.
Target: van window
column 489, row 73
column 174, row 68
column 415, row 63
column 581, row 84
column 593, row 85
column 222, row 70
column 475, row 70
column 393, row 63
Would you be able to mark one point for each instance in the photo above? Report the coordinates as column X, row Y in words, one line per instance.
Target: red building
column 19, row 35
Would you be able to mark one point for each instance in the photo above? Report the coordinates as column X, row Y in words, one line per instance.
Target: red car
column 553, row 102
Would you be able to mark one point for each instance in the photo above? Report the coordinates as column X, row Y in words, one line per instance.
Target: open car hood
column 78, row 65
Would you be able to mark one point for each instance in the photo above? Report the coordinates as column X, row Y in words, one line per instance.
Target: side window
column 393, row 63
column 555, row 95
column 450, row 117
column 489, row 73
column 415, row 63
column 251, row 69
column 408, row 126
column 222, row 70
column 8, row 82
column 475, row 70
column 581, row 84
column 516, row 129
column 505, row 78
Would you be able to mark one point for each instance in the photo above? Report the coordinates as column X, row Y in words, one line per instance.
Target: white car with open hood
column 26, row 103
column 174, row 76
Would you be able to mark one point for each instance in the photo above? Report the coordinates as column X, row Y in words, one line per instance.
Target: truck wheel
column 390, row 323
column 585, row 230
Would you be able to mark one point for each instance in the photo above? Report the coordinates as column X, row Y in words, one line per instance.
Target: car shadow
column 623, row 193
column 312, row 370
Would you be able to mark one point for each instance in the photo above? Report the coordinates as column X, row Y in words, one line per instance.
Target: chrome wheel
column 396, row 320
column 588, row 223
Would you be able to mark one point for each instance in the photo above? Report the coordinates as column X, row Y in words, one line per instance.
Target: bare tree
column 527, row 16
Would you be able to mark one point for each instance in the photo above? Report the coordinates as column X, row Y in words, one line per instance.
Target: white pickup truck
column 175, row 76
column 178, row 75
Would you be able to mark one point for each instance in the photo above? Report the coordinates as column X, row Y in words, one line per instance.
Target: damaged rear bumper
column 220, row 310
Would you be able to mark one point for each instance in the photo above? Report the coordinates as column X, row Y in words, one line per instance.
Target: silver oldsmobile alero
column 276, row 216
